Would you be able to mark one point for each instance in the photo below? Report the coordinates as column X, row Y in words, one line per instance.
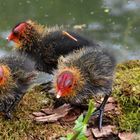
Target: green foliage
column 81, row 125
column 127, row 94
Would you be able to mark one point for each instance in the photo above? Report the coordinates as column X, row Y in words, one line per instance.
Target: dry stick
column 70, row 36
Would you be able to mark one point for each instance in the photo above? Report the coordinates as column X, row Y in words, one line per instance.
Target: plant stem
column 89, row 112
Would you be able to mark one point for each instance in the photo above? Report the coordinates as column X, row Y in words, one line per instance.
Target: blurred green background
column 112, row 23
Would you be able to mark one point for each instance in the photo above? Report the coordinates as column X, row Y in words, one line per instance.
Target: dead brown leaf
column 56, row 110
column 106, row 130
column 52, row 115
column 109, row 107
column 72, row 115
column 37, row 114
column 129, row 136
column 111, row 100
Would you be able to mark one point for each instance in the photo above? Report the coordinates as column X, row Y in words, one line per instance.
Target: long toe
column 96, row 112
column 99, row 112
column 100, row 119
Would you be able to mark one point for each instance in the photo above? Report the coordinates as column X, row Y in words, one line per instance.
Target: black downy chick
column 16, row 75
column 45, row 45
column 84, row 74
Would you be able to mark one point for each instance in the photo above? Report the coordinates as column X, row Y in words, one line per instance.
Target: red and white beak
column 59, row 94
column 10, row 37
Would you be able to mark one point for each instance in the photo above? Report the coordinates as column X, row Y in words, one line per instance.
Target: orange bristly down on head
column 38, row 27
column 4, row 74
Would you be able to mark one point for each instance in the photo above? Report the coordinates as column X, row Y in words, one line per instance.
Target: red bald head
column 17, row 32
column 65, row 83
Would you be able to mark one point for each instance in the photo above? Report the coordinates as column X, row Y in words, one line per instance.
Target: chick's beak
column 59, row 94
column 10, row 37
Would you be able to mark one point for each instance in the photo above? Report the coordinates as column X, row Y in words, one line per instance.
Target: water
column 111, row 23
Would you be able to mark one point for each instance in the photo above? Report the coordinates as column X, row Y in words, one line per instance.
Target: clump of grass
column 127, row 94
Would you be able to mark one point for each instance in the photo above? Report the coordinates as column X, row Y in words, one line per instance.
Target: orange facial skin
column 17, row 33
column 65, row 83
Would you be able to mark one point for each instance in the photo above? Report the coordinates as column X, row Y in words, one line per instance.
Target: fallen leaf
column 109, row 107
column 129, row 136
column 72, row 115
column 37, row 114
column 56, row 110
column 54, row 115
column 111, row 100
column 106, row 130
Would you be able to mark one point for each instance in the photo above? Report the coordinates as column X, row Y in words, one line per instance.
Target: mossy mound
column 126, row 91
column 22, row 127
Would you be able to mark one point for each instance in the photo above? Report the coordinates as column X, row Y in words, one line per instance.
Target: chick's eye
column 69, row 86
column 16, row 32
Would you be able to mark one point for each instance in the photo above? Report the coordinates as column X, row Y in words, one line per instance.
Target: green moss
column 22, row 127
column 127, row 94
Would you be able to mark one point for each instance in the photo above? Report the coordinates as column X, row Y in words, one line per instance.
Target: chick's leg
column 100, row 111
column 8, row 113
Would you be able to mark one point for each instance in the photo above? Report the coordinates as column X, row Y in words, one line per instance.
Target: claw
column 100, row 113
